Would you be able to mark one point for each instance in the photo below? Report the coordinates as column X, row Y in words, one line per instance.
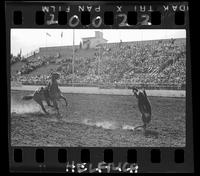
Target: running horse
column 49, row 93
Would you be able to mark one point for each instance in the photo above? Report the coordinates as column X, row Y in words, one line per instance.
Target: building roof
column 88, row 38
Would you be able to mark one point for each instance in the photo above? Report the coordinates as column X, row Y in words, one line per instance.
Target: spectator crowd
column 161, row 62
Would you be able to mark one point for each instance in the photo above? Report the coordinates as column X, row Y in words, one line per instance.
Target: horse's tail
column 27, row 97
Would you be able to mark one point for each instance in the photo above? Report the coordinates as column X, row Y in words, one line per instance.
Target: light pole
column 61, row 42
column 99, row 61
column 46, row 42
column 46, row 46
column 73, row 58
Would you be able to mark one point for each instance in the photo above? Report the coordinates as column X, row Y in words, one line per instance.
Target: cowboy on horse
column 49, row 93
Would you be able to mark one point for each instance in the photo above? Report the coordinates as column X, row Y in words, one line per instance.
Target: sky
column 31, row 39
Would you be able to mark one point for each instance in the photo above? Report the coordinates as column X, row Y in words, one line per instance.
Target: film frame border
column 143, row 153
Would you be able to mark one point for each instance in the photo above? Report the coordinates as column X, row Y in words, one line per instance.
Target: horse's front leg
column 61, row 96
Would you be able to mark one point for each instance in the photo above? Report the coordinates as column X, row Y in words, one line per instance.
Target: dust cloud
column 21, row 107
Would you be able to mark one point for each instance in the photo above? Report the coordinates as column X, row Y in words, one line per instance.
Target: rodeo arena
column 93, row 94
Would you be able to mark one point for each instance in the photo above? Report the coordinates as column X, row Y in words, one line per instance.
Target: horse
column 49, row 93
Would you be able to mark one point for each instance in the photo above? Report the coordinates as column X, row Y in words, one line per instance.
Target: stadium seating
column 158, row 63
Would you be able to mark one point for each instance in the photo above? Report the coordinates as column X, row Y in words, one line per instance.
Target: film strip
column 75, row 142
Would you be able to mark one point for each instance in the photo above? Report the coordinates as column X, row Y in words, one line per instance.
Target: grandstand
column 153, row 64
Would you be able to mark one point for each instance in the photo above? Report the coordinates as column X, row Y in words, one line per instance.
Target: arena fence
column 16, row 84
column 117, row 85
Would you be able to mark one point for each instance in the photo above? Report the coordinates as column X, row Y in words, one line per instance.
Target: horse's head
column 55, row 76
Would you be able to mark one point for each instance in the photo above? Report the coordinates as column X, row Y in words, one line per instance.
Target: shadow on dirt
column 151, row 133
column 146, row 133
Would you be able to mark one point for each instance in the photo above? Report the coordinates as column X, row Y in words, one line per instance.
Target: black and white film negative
column 99, row 87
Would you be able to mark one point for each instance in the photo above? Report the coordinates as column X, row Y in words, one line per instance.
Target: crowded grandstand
column 154, row 64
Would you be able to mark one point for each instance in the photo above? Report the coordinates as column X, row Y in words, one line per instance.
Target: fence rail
column 117, row 86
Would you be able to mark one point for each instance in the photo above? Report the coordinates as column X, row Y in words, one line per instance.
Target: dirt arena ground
column 97, row 121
